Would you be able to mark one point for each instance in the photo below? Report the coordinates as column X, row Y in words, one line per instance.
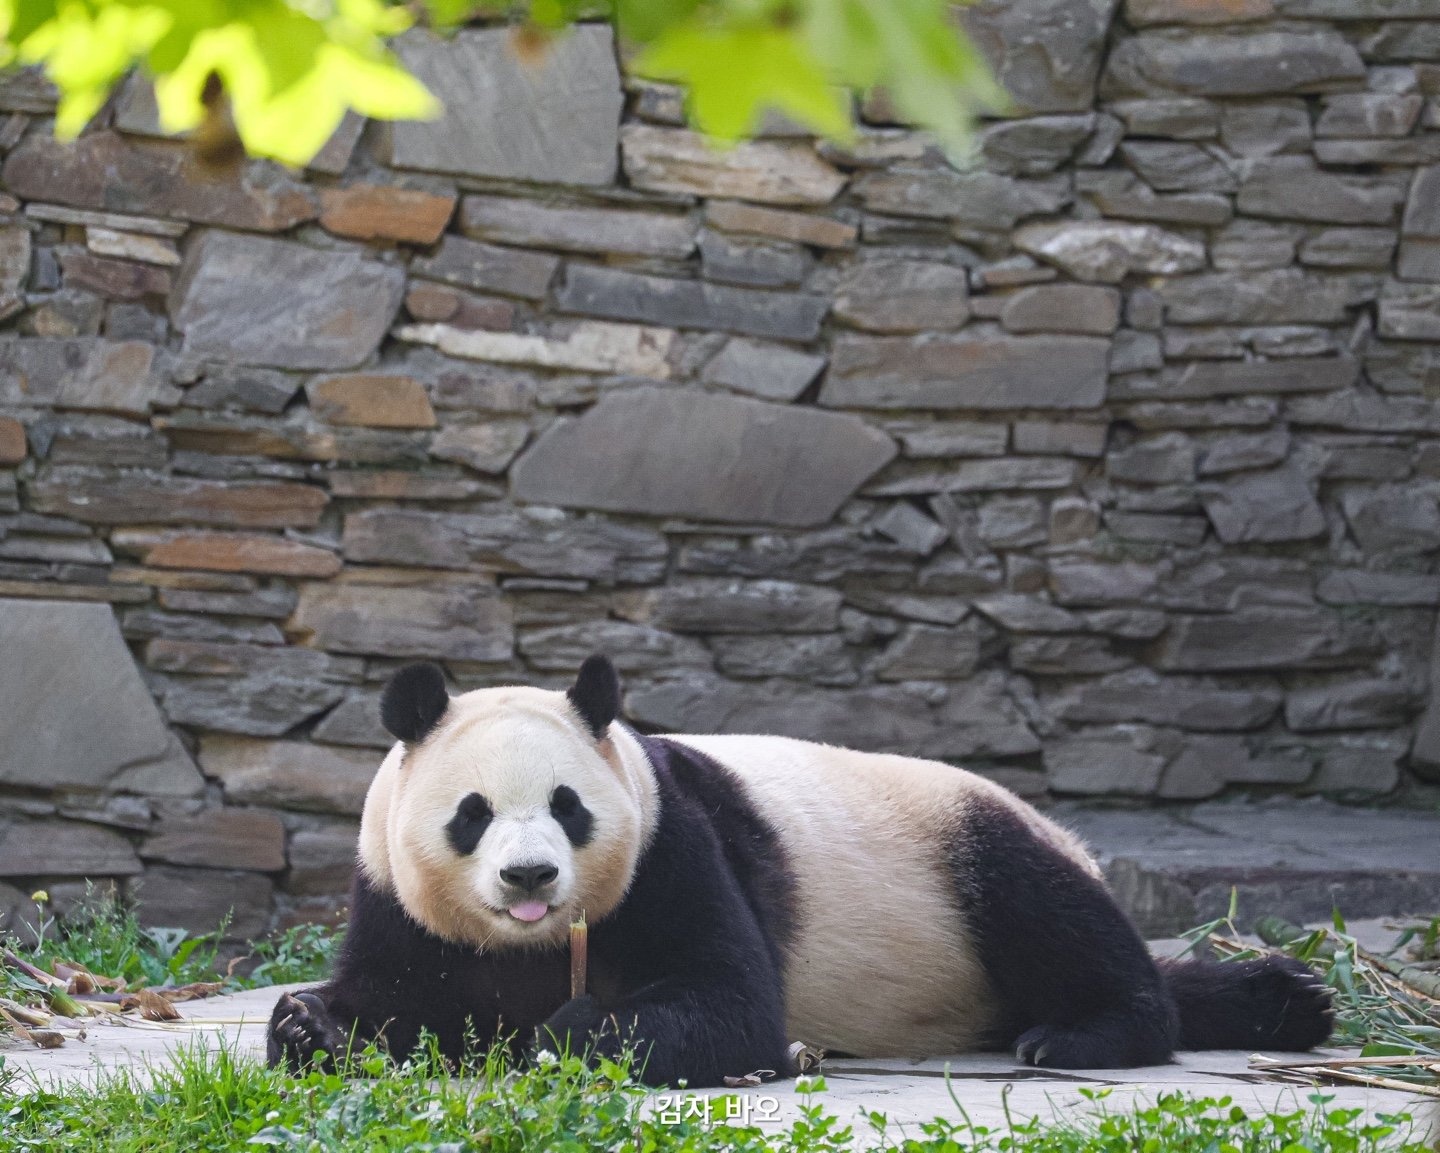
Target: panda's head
column 505, row 813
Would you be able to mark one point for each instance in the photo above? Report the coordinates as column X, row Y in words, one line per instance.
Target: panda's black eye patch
column 571, row 815
column 472, row 817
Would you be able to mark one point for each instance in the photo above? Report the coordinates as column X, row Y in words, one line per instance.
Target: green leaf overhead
column 289, row 70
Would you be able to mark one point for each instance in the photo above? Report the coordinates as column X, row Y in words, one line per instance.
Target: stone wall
column 1110, row 467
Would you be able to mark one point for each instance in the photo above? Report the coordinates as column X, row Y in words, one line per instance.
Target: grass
column 219, row 1100
column 208, row 1101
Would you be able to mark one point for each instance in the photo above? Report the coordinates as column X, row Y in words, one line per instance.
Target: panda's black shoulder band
column 413, row 702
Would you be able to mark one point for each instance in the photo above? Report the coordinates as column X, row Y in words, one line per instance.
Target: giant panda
column 742, row 892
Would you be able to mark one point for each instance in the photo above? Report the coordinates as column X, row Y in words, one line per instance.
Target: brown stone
column 115, row 279
column 384, row 212
column 63, row 849
column 289, row 774
column 393, row 484
column 12, row 442
column 105, row 171
column 242, row 552
column 676, row 160
column 103, row 496
column 776, row 223
column 374, row 399
column 220, row 839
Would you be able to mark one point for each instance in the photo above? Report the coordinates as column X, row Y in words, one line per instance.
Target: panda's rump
column 880, row 962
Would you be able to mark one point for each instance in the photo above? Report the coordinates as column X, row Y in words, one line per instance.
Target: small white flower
column 545, row 1057
column 273, row 1115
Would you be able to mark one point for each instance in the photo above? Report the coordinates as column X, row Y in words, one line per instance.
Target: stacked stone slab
column 1109, row 467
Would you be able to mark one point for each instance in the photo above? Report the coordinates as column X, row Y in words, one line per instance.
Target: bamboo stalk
column 579, row 956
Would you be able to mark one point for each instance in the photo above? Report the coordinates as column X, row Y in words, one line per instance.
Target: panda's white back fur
column 881, row 962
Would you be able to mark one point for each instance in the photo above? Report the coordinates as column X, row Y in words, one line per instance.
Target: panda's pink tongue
column 529, row 910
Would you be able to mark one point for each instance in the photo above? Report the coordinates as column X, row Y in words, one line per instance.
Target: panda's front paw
column 572, row 1028
column 302, row 1034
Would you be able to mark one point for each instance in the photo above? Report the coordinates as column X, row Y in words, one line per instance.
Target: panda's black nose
column 529, row 877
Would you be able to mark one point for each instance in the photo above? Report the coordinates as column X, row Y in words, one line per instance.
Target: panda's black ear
column 596, row 694
column 413, row 702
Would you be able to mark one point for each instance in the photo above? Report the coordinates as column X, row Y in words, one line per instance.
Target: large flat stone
column 289, row 774
column 719, row 458
column 773, row 172
column 1261, row 639
column 463, row 622
column 109, row 496
column 89, row 720
column 543, row 542
column 631, row 647
column 553, row 119
column 1295, row 188
column 85, row 374
column 1046, row 53
column 971, row 371
column 1278, row 296
column 1203, row 379
column 1142, row 696
column 64, row 849
column 278, row 303
column 1238, row 62
column 200, row 900
column 229, row 838
column 973, row 199
column 615, row 294
column 102, row 170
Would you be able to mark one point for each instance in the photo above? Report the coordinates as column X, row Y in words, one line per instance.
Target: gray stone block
column 1109, row 251
column 556, row 119
column 1410, row 311
column 90, row 721
column 974, row 199
column 279, row 304
column 633, row 648
column 1123, row 763
column 1360, row 704
column 775, row 172
column 1235, row 62
column 1045, row 53
column 931, row 653
column 63, row 849
column 903, row 296
column 768, row 371
column 199, row 900
column 619, row 295
column 1284, row 296
column 577, row 228
column 969, row 370
column 752, row 261
column 1295, row 188
column 797, row 465
column 730, row 606
column 822, row 659
column 1073, row 308
column 532, row 542
column 1176, row 702
column 447, row 621
column 1278, row 505
column 1262, row 639
column 489, row 268
column 1394, row 520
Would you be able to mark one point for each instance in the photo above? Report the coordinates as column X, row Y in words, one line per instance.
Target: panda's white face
column 508, row 820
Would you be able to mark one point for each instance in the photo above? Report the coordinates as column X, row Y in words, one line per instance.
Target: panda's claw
column 302, row 1033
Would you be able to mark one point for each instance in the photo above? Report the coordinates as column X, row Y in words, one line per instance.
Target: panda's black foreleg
column 303, row 1033
column 1075, row 984
column 696, row 1036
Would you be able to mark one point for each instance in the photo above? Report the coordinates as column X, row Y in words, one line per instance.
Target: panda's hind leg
column 1075, row 985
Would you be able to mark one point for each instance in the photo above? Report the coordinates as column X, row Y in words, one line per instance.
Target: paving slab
column 1174, row 868
column 908, row 1092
